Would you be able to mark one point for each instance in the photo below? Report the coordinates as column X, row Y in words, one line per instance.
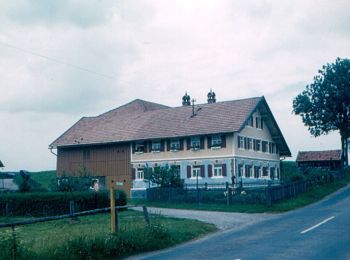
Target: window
column 175, row 145
column 250, row 121
column 264, row 146
column 217, row 171
column 256, row 171
column 250, row 143
column 240, row 142
column 265, row 172
column 155, row 146
column 196, row 172
column 259, row 122
column 257, row 145
column 248, row 171
column 139, row 147
column 272, row 173
column 278, row 173
column 140, row 174
column 240, row 170
column 216, row 141
column 195, row 143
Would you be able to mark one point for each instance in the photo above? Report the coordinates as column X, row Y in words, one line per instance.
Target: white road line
column 317, row 225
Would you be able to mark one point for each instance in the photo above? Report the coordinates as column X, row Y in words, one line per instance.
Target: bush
column 55, row 203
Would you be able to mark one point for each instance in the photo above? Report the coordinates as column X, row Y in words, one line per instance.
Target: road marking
column 317, row 225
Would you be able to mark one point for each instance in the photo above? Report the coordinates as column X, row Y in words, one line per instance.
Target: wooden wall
column 111, row 161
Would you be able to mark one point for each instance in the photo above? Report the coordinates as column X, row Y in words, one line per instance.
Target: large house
column 208, row 143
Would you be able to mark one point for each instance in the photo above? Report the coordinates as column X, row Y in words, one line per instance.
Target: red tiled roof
column 141, row 120
column 319, row 155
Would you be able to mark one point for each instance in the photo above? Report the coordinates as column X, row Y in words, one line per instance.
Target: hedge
column 54, row 203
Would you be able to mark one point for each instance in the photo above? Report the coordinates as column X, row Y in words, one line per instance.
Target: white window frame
column 241, row 142
column 196, row 171
column 256, row 145
column 250, row 143
column 195, row 143
column 156, row 146
column 216, row 141
column 267, row 172
column 137, row 146
column 140, row 174
column 217, row 171
column 240, row 172
column 174, row 145
column 249, row 167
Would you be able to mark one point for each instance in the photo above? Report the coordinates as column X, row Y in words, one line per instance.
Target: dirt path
column 223, row 220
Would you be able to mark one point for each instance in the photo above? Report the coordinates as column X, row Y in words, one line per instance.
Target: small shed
column 330, row 159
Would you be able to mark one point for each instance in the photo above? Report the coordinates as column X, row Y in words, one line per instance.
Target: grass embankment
column 44, row 178
column 315, row 194
column 89, row 237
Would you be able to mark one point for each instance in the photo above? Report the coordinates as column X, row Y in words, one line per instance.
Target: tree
column 166, row 176
column 325, row 104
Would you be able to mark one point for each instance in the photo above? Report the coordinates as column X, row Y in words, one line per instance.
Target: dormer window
column 139, row 147
column 155, row 146
column 174, row 145
column 259, row 122
column 216, row 141
column 195, row 143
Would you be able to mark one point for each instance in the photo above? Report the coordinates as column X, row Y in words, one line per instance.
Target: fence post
column 145, row 214
column 7, row 212
column 71, row 207
column 112, row 203
column 227, row 194
column 268, row 196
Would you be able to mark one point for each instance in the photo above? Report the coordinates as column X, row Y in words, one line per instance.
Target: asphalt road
column 319, row 231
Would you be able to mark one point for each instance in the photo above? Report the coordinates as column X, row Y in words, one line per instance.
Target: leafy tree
column 325, row 104
column 166, row 176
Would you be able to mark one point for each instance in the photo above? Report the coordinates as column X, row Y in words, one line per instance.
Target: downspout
column 52, row 151
column 281, row 159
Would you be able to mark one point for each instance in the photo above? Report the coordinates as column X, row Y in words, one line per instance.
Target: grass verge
column 89, row 237
column 315, row 194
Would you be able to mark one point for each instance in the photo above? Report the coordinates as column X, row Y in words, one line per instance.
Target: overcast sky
column 61, row 60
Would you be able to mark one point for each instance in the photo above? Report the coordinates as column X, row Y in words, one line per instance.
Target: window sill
column 174, row 150
column 217, row 177
column 195, row 149
column 216, row 147
column 195, row 178
column 156, row 151
column 138, row 152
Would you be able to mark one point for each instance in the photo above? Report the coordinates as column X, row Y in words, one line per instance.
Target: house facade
column 211, row 143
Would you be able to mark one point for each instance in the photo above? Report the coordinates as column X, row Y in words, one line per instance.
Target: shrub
column 55, row 203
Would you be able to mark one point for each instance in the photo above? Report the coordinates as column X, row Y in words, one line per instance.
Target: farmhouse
column 330, row 159
column 207, row 143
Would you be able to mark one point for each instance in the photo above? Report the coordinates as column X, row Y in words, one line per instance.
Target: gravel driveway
column 223, row 220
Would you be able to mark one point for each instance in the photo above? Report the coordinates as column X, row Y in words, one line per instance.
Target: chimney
column 186, row 100
column 211, row 97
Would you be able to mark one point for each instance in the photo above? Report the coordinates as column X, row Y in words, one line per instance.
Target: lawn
column 315, row 194
column 90, row 236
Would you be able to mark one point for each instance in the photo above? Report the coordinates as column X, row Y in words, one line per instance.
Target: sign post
column 112, row 202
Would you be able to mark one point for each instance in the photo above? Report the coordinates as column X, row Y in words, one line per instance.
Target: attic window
column 259, row 122
column 139, row 147
column 175, row 145
column 216, row 141
column 195, row 143
column 156, row 146
column 250, row 121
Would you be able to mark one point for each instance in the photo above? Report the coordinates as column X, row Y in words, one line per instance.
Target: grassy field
column 90, row 236
column 315, row 194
